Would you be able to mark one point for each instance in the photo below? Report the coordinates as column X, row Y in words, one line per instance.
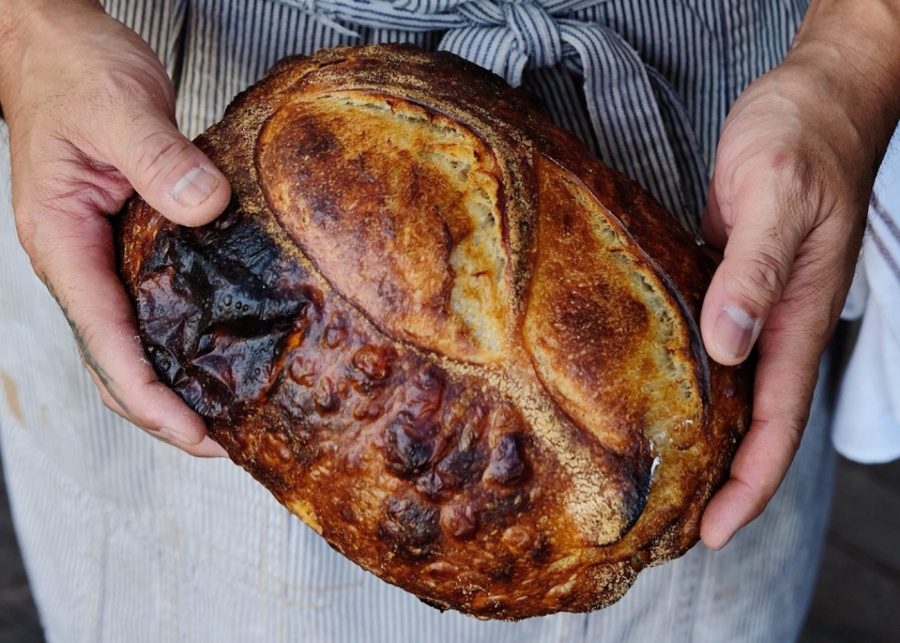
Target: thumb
column 759, row 255
column 168, row 171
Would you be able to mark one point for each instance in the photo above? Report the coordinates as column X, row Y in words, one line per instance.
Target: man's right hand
column 90, row 111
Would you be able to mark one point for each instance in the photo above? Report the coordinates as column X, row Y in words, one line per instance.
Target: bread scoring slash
column 453, row 343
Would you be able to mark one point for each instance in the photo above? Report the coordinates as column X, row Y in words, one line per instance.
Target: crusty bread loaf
column 450, row 341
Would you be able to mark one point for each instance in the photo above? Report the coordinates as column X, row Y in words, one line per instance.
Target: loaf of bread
column 453, row 343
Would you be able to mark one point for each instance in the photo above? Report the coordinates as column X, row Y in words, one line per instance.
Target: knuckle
column 194, row 450
column 799, row 176
column 133, row 402
column 764, row 271
column 25, row 230
column 142, row 423
column 791, row 165
column 157, row 151
column 761, row 277
column 792, row 430
column 118, row 86
column 759, row 500
column 755, row 496
column 38, row 268
column 793, row 175
column 133, row 413
column 28, row 235
column 108, row 400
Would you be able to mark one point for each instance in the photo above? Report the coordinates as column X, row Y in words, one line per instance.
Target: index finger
column 79, row 267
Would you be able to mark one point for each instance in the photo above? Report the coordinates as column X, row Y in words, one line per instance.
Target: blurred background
column 857, row 599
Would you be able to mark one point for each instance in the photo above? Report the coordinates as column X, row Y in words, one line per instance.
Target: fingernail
column 174, row 436
column 194, row 187
column 735, row 331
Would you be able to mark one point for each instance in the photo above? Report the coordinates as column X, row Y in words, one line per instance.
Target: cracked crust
column 439, row 332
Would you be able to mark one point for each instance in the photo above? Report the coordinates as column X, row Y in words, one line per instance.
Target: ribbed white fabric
column 127, row 540
column 867, row 418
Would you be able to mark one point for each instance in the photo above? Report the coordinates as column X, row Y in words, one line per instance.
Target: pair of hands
column 92, row 117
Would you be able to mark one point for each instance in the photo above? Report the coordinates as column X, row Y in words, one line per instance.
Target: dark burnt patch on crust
column 462, row 465
column 410, row 527
column 504, row 570
column 214, row 328
column 540, row 550
column 507, row 466
column 410, row 445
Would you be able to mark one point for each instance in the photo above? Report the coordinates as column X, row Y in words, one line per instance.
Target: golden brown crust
column 437, row 330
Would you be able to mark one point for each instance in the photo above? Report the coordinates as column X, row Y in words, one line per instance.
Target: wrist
column 27, row 22
column 849, row 48
column 17, row 13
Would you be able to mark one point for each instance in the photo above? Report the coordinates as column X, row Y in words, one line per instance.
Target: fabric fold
column 867, row 416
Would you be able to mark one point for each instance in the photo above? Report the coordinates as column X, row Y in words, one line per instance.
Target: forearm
column 14, row 12
column 855, row 46
column 11, row 9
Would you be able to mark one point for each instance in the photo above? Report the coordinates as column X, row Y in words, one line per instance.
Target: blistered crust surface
column 456, row 346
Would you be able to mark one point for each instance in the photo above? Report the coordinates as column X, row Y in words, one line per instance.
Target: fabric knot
column 322, row 12
column 536, row 31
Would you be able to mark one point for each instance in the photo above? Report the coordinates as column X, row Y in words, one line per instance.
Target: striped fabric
column 128, row 540
column 883, row 232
